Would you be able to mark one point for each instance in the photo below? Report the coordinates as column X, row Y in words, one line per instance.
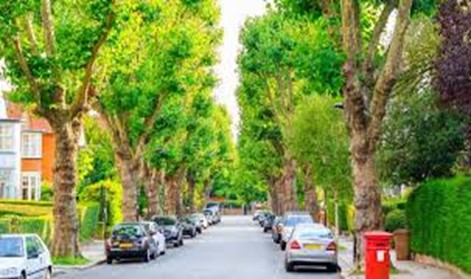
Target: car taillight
column 295, row 245
column 332, row 247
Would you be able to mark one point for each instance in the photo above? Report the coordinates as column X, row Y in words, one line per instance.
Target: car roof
column 18, row 235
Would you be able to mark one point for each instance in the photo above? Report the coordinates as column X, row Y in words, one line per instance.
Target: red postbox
column 377, row 260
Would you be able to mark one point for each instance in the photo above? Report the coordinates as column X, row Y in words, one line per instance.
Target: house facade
column 27, row 147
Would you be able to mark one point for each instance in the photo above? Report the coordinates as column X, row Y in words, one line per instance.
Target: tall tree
column 51, row 49
column 366, row 92
column 167, row 53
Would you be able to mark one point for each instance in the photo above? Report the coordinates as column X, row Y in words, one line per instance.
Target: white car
column 24, row 256
column 158, row 236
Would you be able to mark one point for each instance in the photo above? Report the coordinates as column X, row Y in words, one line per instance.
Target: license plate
column 125, row 245
column 313, row 246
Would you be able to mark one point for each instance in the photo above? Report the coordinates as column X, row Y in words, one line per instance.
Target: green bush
column 395, row 220
column 46, row 192
column 393, row 204
column 89, row 221
column 439, row 218
column 113, row 195
column 345, row 224
column 4, row 226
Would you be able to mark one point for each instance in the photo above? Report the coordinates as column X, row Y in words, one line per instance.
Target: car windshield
column 165, row 221
column 292, row 221
column 11, row 247
column 312, row 234
column 128, row 230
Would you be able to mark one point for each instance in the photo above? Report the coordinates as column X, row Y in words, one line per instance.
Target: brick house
column 27, row 147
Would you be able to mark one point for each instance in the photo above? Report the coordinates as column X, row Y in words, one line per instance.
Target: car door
column 155, row 236
column 44, row 256
column 33, row 266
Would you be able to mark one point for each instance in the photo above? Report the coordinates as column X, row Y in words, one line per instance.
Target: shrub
column 22, row 209
column 393, row 204
column 4, row 226
column 46, row 192
column 346, row 212
column 439, row 218
column 89, row 221
column 395, row 220
column 114, row 198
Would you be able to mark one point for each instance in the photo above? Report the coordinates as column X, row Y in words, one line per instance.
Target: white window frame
column 31, row 180
column 6, row 177
column 6, row 137
column 31, row 145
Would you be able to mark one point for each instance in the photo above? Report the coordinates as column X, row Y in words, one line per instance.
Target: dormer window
column 31, row 145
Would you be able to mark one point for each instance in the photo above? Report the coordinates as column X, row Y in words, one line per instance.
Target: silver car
column 291, row 220
column 311, row 244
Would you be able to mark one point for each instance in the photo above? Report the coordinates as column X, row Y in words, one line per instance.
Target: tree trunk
column 129, row 174
column 191, row 192
column 367, row 201
column 179, row 202
column 171, row 195
column 274, row 193
column 65, row 242
column 288, row 186
column 310, row 199
column 152, row 190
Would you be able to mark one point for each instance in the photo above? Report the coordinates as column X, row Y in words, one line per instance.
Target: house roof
column 31, row 122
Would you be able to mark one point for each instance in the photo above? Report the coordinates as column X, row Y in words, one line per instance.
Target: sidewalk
column 407, row 269
column 93, row 251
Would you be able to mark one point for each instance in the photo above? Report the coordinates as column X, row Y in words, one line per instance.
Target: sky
column 234, row 13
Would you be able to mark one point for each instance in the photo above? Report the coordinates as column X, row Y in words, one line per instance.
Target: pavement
column 407, row 269
column 234, row 249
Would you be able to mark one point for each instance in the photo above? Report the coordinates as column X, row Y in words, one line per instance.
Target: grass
column 70, row 261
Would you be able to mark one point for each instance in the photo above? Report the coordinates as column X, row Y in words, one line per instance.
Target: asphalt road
column 234, row 249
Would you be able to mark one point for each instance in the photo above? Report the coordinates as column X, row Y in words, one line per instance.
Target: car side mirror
column 33, row 255
column 153, row 232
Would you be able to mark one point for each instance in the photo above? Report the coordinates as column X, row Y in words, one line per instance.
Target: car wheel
column 23, row 275
column 289, row 267
column 332, row 268
column 265, row 230
column 176, row 244
column 181, row 242
column 48, row 274
column 109, row 260
column 283, row 245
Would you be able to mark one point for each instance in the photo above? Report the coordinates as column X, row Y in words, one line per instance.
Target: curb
column 61, row 269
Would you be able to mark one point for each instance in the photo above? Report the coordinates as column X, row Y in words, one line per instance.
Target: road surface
column 235, row 249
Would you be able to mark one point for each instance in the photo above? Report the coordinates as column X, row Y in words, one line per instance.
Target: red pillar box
column 377, row 245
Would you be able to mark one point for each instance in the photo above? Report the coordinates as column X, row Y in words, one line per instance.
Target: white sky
column 234, row 13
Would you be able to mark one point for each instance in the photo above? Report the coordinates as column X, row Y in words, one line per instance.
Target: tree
column 279, row 64
column 51, row 49
column 320, row 142
column 366, row 92
column 166, row 54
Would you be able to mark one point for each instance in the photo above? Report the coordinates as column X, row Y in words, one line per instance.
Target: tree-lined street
column 235, row 249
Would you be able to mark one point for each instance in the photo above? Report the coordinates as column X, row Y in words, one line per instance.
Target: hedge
column 43, row 224
column 396, row 219
column 439, row 217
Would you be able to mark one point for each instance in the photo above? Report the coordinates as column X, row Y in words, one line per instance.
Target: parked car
column 256, row 215
column 197, row 221
column 158, row 236
column 311, row 244
column 213, row 217
column 276, row 230
column 268, row 223
column 130, row 240
column 173, row 230
column 203, row 221
column 263, row 218
column 189, row 226
column 290, row 220
column 213, row 206
column 24, row 256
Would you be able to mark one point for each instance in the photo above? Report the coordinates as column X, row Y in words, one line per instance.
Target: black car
column 130, row 240
column 190, row 227
column 268, row 223
column 173, row 230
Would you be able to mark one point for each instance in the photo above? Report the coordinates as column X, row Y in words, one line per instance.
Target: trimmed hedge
column 395, row 220
column 439, row 216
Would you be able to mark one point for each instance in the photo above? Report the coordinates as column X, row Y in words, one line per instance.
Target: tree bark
column 65, row 241
column 274, row 195
column 129, row 173
column 191, row 192
column 288, row 186
column 311, row 204
column 173, row 203
column 152, row 185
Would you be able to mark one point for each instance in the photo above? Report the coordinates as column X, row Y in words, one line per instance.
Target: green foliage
column 396, row 219
column 320, row 139
column 393, row 204
column 4, row 226
column 420, row 140
column 72, row 261
column 112, row 194
column 439, row 217
column 46, row 192
column 89, row 221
